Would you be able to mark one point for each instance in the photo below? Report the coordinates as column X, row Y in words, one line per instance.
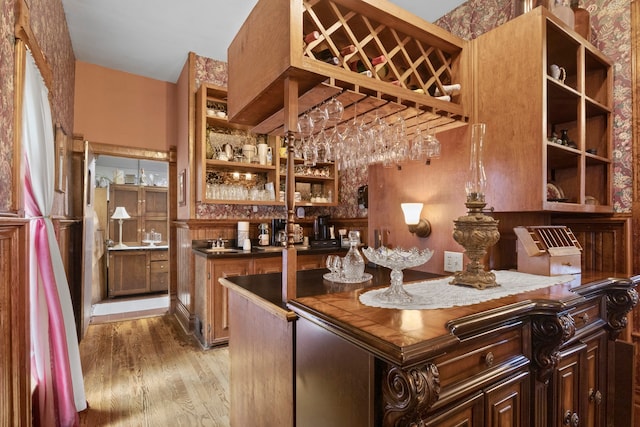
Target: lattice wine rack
column 376, row 58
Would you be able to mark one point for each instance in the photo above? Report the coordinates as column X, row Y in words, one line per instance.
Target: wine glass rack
column 330, row 47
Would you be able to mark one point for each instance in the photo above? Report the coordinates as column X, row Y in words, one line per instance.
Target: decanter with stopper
column 353, row 262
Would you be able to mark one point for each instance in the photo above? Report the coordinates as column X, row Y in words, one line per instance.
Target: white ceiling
column 152, row 38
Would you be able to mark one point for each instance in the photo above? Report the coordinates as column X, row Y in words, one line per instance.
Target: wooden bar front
column 532, row 359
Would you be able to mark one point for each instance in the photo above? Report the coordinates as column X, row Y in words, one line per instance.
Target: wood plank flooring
column 148, row 372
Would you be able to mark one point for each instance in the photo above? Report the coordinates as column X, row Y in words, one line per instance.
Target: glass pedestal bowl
column 397, row 260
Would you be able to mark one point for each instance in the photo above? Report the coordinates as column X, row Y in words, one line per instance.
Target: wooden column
column 289, row 261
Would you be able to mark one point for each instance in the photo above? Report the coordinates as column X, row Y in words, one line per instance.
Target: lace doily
column 439, row 293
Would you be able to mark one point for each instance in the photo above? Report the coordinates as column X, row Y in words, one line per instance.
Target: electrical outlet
column 452, row 261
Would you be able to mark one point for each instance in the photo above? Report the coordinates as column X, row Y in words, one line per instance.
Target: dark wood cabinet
column 211, row 298
column 211, row 302
column 580, row 382
column 128, row 272
column 137, row 271
column 159, row 270
column 539, row 359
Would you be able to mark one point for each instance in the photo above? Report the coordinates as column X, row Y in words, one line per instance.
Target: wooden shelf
column 224, row 171
column 417, row 52
column 521, row 105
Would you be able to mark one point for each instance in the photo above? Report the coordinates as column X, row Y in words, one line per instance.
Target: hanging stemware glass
column 432, row 145
column 305, row 130
column 417, row 145
column 334, row 109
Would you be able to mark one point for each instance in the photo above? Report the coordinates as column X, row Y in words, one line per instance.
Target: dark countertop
column 261, row 251
column 139, row 247
column 405, row 337
column 268, row 287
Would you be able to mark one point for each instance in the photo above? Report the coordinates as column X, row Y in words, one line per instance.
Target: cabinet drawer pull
column 585, row 318
column 571, row 419
column 595, row 396
column 566, row 264
column 488, row 359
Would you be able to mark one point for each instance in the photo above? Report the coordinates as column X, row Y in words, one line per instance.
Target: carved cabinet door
column 580, row 384
column 467, row 412
column 507, row 403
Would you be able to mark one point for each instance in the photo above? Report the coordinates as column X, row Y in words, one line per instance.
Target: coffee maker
column 322, row 233
column 277, row 225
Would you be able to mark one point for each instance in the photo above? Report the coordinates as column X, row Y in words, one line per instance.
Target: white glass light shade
column 412, row 212
column 120, row 213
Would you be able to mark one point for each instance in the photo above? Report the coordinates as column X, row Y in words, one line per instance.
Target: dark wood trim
column 122, row 151
column 15, row 387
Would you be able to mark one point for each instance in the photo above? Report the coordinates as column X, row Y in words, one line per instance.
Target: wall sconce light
column 417, row 225
column 120, row 214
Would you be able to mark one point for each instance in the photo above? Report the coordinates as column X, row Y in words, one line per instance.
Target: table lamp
column 120, row 214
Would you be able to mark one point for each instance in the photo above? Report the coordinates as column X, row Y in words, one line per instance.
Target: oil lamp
column 475, row 231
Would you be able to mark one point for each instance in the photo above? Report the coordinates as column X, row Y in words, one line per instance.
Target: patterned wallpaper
column 6, row 104
column 49, row 26
column 611, row 34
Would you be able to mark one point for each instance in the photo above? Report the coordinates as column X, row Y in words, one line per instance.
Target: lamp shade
column 120, row 213
column 411, row 212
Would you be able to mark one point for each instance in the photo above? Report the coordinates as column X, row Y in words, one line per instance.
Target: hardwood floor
column 147, row 372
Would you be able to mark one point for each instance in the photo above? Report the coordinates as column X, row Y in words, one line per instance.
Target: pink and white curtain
column 55, row 357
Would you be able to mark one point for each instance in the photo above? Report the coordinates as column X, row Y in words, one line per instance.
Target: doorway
column 131, row 262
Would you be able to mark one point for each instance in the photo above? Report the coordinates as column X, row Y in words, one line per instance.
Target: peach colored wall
column 440, row 186
column 114, row 107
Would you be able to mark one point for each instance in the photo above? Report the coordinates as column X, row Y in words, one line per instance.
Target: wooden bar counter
column 542, row 358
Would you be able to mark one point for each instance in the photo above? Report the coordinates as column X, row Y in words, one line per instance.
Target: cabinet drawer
column 479, row 355
column 159, row 255
column 564, row 264
column 158, row 282
column 159, row 266
column 586, row 314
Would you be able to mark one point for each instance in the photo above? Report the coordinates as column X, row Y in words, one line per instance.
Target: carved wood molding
column 408, row 394
column 619, row 303
column 549, row 332
column 24, row 33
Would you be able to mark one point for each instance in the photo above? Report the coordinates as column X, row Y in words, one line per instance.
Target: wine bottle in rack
column 448, row 89
column 348, row 50
column 359, row 65
column 311, row 37
column 325, row 54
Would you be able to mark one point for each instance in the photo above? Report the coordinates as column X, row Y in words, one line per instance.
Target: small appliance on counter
column 279, row 233
column 323, row 233
column 278, row 225
column 243, row 233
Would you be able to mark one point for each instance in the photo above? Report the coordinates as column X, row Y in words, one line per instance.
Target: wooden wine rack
column 421, row 59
